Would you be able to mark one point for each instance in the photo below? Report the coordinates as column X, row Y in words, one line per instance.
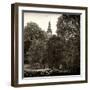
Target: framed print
column 49, row 44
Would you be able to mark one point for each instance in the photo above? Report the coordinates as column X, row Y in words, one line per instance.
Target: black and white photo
column 49, row 44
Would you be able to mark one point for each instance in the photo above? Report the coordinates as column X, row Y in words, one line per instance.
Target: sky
column 42, row 19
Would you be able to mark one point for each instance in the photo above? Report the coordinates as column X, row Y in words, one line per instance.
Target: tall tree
column 55, row 48
column 68, row 29
column 34, row 43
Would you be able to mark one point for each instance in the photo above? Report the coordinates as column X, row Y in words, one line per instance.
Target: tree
column 55, row 47
column 68, row 26
column 34, row 43
column 68, row 29
column 33, row 31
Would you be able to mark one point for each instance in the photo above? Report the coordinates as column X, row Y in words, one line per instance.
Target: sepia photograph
column 51, row 44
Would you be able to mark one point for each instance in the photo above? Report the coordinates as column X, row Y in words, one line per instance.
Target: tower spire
column 49, row 28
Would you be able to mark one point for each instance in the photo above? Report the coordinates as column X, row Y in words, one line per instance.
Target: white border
column 54, row 78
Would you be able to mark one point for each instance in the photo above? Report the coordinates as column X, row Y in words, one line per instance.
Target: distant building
column 49, row 30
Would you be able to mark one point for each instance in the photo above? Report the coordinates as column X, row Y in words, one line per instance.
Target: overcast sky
column 42, row 20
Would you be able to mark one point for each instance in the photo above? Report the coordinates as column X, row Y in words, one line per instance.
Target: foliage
column 34, row 42
column 68, row 28
column 55, row 47
column 56, row 52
